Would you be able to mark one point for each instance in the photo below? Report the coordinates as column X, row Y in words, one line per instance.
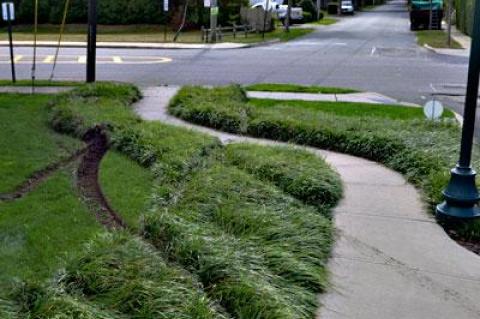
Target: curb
column 439, row 51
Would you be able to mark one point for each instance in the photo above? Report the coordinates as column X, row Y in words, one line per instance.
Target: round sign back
column 433, row 110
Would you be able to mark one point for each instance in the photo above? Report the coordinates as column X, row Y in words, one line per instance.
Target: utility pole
column 92, row 41
column 319, row 6
column 287, row 18
column 213, row 20
column 461, row 194
column 265, row 17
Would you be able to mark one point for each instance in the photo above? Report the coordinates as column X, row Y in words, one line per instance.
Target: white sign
column 165, row 5
column 6, row 7
column 433, row 110
column 207, row 3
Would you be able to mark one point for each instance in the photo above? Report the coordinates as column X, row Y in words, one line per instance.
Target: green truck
column 420, row 14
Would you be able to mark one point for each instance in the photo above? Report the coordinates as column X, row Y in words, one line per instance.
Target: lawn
column 436, row 39
column 139, row 33
column 424, row 151
column 38, row 83
column 296, row 88
column 348, row 109
column 213, row 231
column 51, row 222
column 26, row 136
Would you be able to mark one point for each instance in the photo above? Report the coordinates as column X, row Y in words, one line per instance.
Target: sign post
column 8, row 14
column 213, row 21
column 165, row 14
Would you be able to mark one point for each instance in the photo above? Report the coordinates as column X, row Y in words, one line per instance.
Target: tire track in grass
column 87, row 179
column 39, row 177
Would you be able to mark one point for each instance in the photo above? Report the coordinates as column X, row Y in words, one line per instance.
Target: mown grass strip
column 424, row 151
column 296, row 88
column 348, row 109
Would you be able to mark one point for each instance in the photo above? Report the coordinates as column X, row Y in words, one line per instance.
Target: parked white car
column 347, row 7
column 279, row 8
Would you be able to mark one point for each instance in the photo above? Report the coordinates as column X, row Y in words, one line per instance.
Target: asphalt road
column 372, row 51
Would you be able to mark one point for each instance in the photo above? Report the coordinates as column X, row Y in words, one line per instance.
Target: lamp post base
column 461, row 196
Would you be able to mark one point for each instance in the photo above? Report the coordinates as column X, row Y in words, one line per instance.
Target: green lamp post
column 461, row 194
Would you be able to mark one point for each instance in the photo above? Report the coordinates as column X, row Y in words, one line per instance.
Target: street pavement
column 371, row 51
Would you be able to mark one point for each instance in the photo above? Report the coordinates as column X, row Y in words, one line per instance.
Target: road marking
column 117, row 59
column 82, row 59
column 49, row 59
column 340, row 43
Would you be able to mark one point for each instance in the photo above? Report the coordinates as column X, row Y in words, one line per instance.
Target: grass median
column 397, row 136
column 296, row 88
column 214, row 232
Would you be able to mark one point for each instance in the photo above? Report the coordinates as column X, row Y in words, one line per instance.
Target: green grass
column 237, row 234
column 38, row 231
column 436, row 39
column 27, row 144
column 422, row 150
column 326, row 20
column 223, row 233
column 260, row 252
column 296, row 88
column 38, row 83
column 296, row 172
column 347, row 109
column 127, row 185
column 139, row 33
column 118, row 276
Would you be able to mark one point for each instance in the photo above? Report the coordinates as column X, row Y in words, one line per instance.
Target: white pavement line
column 49, row 59
column 82, row 59
column 402, row 269
column 117, row 59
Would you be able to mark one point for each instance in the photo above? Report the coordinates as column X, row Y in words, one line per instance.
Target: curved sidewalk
column 391, row 259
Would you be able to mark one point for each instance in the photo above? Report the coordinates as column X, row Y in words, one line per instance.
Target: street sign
column 433, row 110
column 207, row 3
column 8, row 11
column 214, row 11
column 165, row 5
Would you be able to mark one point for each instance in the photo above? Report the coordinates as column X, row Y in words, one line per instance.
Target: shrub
column 421, row 150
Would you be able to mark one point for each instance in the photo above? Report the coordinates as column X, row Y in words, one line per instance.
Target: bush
column 421, row 150
column 296, row 172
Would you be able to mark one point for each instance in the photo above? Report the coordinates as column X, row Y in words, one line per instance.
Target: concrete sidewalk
column 141, row 45
column 391, row 259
